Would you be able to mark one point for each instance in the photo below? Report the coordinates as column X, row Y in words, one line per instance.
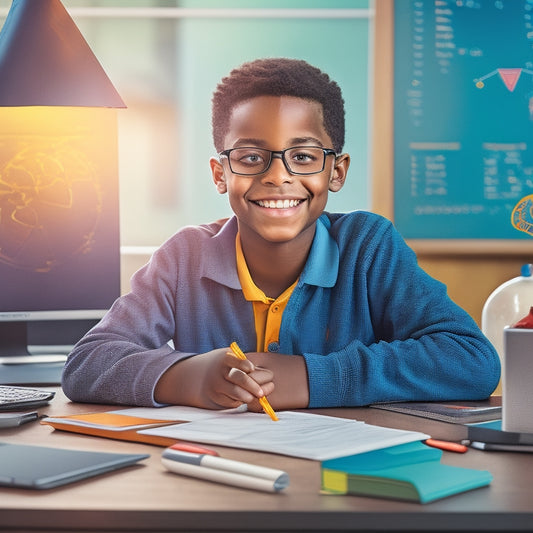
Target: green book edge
column 416, row 476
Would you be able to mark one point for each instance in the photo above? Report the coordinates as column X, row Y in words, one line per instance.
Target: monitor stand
column 20, row 365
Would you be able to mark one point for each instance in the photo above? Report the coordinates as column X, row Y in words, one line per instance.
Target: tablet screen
column 39, row 467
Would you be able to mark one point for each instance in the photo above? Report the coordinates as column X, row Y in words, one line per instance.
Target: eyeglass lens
column 298, row 160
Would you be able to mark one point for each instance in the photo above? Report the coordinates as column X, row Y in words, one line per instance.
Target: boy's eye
column 253, row 158
column 249, row 158
column 302, row 157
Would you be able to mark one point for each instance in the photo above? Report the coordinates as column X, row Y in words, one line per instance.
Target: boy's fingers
column 242, row 364
column 262, row 375
column 244, row 381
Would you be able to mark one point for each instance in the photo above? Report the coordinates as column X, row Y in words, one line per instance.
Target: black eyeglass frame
column 280, row 154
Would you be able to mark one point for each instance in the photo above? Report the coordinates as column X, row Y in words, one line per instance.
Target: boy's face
column 277, row 205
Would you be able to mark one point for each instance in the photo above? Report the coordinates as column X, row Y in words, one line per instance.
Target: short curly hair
column 278, row 77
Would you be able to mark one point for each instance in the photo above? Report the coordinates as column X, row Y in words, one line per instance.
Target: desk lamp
column 58, row 163
column 58, row 136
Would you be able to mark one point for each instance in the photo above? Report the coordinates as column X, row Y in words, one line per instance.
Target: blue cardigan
column 370, row 323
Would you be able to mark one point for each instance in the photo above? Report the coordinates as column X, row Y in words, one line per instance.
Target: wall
column 472, row 278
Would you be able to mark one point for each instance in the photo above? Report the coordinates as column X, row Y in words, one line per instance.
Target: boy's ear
column 340, row 170
column 217, row 171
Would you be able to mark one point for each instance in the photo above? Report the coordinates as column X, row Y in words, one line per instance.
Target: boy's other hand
column 214, row 380
column 290, row 379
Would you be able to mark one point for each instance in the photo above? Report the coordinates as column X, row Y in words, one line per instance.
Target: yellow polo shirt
column 267, row 311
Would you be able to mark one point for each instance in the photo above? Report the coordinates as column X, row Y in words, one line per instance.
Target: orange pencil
column 263, row 401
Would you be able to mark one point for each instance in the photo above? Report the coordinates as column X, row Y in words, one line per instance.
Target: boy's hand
column 290, row 379
column 214, row 380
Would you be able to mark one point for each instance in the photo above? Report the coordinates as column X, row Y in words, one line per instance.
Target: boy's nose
column 278, row 172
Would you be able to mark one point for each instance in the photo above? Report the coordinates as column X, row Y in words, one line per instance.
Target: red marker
column 192, row 448
column 446, row 445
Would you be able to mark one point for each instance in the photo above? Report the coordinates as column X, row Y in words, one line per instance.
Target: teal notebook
column 410, row 471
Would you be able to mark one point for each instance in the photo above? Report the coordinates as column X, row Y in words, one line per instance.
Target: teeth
column 278, row 204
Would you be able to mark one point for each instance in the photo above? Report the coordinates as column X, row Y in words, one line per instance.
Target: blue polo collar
column 321, row 268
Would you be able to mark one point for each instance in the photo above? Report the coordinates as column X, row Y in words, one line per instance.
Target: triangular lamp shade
column 45, row 61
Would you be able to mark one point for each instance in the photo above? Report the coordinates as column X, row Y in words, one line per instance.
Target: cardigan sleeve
column 121, row 359
column 187, row 300
column 420, row 344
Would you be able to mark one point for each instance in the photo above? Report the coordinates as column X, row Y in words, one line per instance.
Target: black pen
column 495, row 446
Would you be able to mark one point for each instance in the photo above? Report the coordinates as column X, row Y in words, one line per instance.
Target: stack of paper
column 297, row 434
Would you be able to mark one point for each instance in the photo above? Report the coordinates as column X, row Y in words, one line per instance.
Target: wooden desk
column 148, row 498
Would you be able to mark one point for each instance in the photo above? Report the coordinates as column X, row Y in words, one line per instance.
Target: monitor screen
column 59, row 227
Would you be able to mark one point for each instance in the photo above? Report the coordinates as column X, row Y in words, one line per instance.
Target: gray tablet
column 39, row 467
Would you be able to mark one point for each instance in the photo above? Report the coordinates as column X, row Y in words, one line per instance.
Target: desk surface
column 148, row 498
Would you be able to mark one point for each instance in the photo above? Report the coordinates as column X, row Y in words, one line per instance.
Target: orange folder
column 112, row 425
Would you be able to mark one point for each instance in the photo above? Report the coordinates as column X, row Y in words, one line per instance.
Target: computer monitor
column 59, row 247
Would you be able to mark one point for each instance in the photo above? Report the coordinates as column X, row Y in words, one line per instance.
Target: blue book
column 410, row 471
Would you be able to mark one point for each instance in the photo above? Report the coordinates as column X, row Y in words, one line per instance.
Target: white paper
column 177, row 412
column 296, row 434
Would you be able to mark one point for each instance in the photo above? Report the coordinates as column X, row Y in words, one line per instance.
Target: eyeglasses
column 301, row 160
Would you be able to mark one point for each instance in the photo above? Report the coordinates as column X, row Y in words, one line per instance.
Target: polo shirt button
column 273, row 346
column 275, row 308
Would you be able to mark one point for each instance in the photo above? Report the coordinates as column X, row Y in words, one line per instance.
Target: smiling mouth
column 278, row 204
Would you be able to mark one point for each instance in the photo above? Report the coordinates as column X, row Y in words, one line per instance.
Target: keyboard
column 13, row 397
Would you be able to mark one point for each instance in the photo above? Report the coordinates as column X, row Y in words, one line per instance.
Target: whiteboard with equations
column 462, row 118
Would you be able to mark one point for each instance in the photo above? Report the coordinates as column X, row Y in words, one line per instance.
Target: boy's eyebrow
column 296, row 141
column 249, row 141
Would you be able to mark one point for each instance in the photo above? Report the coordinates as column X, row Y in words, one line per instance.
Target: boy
column 332, row 309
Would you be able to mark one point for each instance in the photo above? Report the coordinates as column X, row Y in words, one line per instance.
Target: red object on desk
column 192, row 448
column 446, row 445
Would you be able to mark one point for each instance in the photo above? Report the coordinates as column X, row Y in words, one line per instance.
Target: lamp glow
column 58, row 141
